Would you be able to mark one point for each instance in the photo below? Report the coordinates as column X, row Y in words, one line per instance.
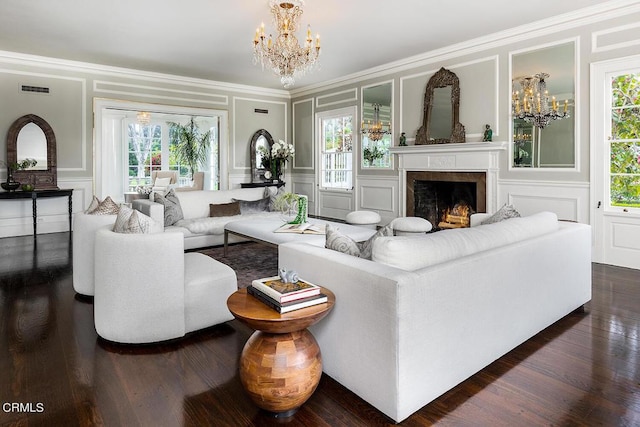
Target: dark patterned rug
column 249, row 260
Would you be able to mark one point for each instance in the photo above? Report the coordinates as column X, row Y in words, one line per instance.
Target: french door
column 615, row 169
column 335, row 141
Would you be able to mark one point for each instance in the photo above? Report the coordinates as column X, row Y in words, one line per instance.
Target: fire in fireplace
column 446, row 199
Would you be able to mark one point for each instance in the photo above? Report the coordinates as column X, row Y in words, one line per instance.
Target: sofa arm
column 477, row 218
column 149, row 208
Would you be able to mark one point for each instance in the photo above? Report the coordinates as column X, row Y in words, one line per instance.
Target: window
column 152, row 147
column 624, row 173
column 336, row 135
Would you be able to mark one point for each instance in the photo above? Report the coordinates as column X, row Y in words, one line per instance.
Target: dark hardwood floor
column 583, row 370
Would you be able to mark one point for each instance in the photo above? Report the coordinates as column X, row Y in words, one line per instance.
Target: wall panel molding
column 619, row 37
column 163, row 93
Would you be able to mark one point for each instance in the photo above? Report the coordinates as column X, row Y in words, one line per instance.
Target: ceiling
column 212, row 39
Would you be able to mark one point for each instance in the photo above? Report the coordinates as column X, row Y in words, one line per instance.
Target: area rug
column 249, row 260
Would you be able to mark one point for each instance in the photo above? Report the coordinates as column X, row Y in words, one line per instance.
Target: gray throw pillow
column 367, row 246
column 172, row 210
column 505, row 212
column 337, row 241
column 253, row 206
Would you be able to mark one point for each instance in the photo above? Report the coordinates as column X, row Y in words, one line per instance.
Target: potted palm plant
column 192, row 144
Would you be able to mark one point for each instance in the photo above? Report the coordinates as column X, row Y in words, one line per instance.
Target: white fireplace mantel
column 468, row 157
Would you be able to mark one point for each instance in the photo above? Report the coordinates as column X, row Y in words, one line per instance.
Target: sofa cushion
column 172, row 210
column 224, row 209
column 505, row 212
column 130, row 221
column 410, row 253
column 337, row 241
column 105, row 207
column 253, row 206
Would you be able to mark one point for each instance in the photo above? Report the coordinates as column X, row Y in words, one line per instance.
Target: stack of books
column 285, row 297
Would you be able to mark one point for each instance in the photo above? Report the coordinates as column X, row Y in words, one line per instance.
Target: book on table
column 285, row 292
column 287, row 306
column 304, row 228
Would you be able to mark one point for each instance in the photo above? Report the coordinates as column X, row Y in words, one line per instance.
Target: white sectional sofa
column 198, row 228
column 401, row 335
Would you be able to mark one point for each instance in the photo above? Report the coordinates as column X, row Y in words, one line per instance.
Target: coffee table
column 281, row 364
column 262, row 230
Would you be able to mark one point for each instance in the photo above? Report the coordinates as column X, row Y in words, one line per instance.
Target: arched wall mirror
column 260, row 152
column 32, row 137
column 551, row 146
column 441, row 112
column 376, row 126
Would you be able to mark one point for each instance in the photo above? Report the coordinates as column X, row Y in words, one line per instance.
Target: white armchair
column 147, row 289
column 84, row 230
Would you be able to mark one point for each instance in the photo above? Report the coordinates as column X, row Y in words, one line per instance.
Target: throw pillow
column 130, row 221
column 105, row 207
column 253, row 206
column 273, row 195
column 93, row 205
column 337, row 241
column 224, row 209
column 366, row 247
column 162, row 182
column 505, row 212
column 172, row 210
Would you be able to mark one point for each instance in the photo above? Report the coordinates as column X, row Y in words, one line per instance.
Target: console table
column 34, row 196
column 262, row 184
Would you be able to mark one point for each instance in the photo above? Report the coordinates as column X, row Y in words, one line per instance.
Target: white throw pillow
column 130, row 221
column 162, row 182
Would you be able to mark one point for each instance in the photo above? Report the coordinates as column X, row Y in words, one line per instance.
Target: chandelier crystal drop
column 375, row 131
column 533, row 104
column 284, row 55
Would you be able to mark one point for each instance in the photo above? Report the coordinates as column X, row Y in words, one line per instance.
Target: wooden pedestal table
column 281, row 364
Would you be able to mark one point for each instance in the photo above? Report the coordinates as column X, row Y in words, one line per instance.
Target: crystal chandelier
column 375, row 131
column 284, row 55
column 534, row 107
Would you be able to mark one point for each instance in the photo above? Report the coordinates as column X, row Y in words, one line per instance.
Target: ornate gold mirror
column 260, row 152
column 440, row 123
column 30, row 136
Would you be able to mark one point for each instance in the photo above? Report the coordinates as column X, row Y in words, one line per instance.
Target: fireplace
column 445, row 198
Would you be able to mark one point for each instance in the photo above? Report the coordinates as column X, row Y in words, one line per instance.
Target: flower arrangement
column 283, row 151
column 371, row 154
column 280, row 153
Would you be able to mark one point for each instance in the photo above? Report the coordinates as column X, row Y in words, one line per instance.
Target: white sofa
column 148, row 290
column 401, row 337
column 200, row 230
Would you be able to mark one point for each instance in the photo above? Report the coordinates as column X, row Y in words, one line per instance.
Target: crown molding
column 582, row 17
column 107, row 70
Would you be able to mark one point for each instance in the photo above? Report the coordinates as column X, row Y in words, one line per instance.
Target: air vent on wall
column 35, row 89
column 260, row 111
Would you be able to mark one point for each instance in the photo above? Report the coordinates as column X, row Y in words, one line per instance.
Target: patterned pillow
column 95, row 202
column 224, row 209
column 253, row 206
column 172, row 210
column 130, row 221
column 367, row 246
column 505, row 212
column 341, row 243
column 273, row 194
column 105, row 207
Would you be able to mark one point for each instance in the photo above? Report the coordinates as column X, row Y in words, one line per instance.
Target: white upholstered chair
column 197, row 183
column 173, row 175
column 84, row 230
column 147, row 289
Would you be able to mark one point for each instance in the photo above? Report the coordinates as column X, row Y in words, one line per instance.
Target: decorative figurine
column 403, row 140
column 488, row 133
column 288, row 276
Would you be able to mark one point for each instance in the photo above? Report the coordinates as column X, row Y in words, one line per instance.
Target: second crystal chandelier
column 284, row 55
column 534, row 106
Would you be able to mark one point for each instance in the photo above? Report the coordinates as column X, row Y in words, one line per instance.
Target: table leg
column 34, row 210
column 70, row 211
column 281, row 371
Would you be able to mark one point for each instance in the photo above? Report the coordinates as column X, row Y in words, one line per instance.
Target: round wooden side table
column 281, row 364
